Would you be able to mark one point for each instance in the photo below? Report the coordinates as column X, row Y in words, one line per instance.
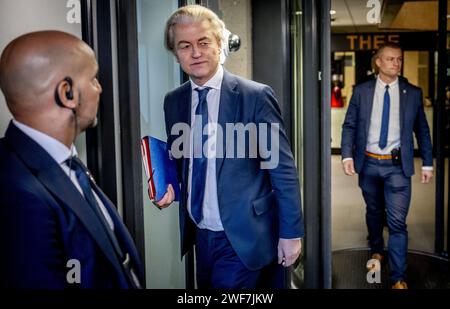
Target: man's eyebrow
column 204, row 38
column 183, row 42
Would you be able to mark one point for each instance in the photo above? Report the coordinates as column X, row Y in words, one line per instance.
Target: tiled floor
column 348, row 211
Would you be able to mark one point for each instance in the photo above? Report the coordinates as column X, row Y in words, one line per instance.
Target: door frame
column 316, row 140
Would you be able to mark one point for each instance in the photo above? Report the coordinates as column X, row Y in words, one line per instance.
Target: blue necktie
column 385, row 119
column 81, row 172
column 84, row 179
column 199, row 163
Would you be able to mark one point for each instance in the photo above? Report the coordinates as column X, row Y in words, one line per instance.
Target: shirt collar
column 382, row 84
column 57, row 150
column 215, row 82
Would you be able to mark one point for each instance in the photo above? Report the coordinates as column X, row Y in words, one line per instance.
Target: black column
column 130, row 129
column 100, row 142
column 439, row 109
column 325, row 141
column 311, row 145
column 271, row 52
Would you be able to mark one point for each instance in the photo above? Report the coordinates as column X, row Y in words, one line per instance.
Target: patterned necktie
column 83, row 175
column 200, row 161
column 385, row 119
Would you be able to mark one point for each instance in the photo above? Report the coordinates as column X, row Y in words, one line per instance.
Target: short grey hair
column 189, row 14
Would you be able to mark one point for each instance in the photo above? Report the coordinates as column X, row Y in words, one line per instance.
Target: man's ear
column 377, row 62
column 176, row 57
column 65, row 94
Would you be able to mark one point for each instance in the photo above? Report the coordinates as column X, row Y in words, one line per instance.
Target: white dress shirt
column 211, row 216
column 373, row 138
column 394, row 120
column 60, row 153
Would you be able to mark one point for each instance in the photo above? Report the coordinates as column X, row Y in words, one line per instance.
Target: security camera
column 231, row 43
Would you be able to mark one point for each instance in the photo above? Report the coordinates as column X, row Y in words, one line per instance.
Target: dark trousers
column 384, row 186
column 219, row 267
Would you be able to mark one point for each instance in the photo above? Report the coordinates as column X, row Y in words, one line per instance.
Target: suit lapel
column 227, row 112
column 369, row 99
column 184, row 111
column 120, row 230
column 184, row 103
column 403, row 96
column 50, row 174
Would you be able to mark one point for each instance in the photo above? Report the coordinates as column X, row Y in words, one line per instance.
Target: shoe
column 375, row 256
column 400, row 285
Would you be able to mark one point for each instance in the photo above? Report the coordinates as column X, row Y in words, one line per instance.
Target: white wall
column 21, row 16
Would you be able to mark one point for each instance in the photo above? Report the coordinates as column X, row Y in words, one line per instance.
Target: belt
column 378, row 156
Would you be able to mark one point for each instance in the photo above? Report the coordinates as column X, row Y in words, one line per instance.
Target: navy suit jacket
column 257, row 206
column 45, row 222
column 412, row 119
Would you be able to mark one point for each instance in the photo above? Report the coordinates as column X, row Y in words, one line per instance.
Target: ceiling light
column 332, row 12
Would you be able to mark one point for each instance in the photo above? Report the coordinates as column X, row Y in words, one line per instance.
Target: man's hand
column 288, row 251
column 426, row 176
column 167, row 198
column 349, row 167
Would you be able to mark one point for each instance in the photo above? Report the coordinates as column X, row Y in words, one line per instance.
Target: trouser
column 386, row 188
column 218, row 266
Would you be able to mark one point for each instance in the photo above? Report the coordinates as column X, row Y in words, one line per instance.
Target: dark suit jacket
column 45, row 222
column 257, row 206
column 412, row 119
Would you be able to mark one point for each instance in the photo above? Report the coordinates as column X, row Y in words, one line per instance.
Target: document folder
column 160, row 168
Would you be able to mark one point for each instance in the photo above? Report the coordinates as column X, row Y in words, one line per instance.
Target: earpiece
column 69, row 93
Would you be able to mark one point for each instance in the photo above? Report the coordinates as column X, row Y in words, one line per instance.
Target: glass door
column 357, row 32
column 297, row 108
column 158, row 74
